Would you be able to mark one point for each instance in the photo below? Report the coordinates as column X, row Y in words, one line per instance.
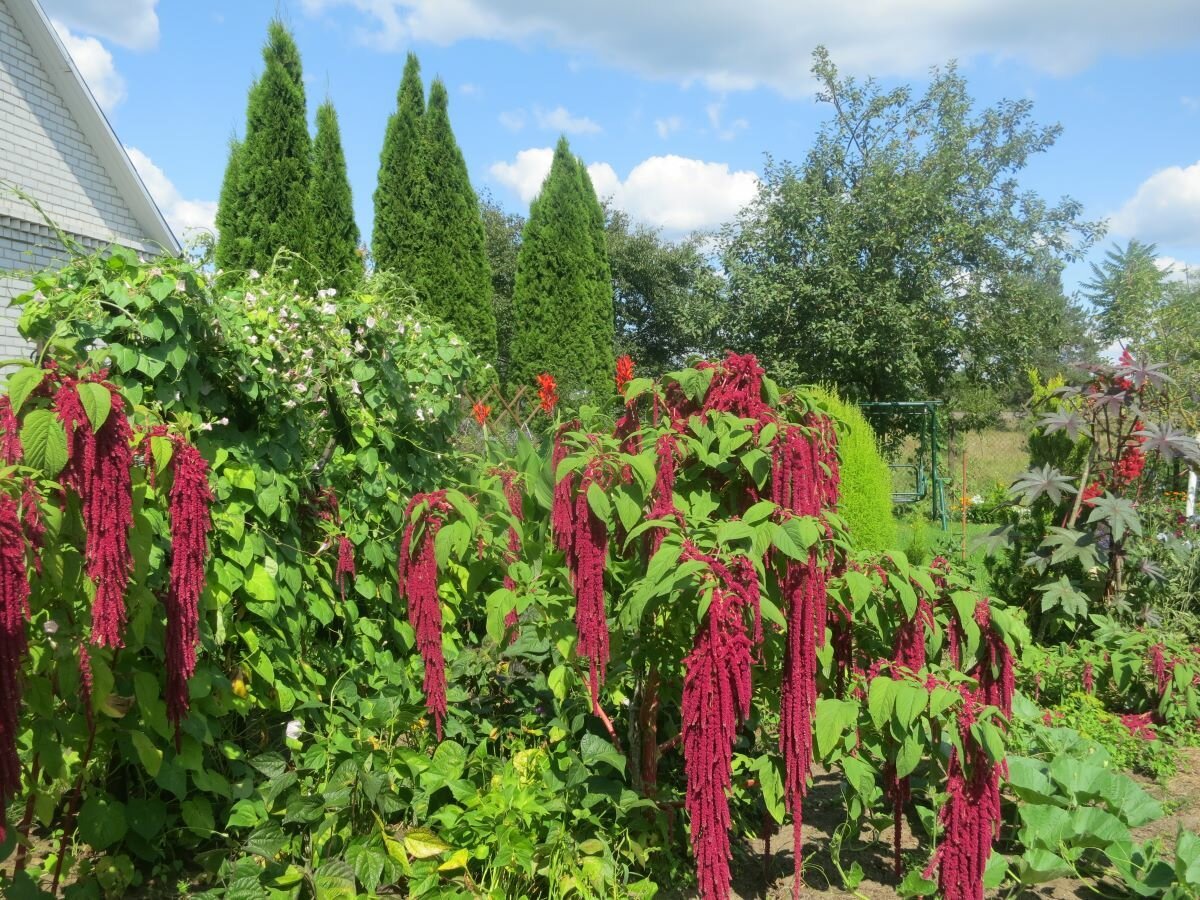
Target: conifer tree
column 451, row 273
column 334, row 242
column 601, row 285
column 231, row 251
column 562, row 299
column 397, row 232
column 273, row 165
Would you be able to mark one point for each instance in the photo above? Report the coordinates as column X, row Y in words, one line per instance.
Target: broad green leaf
column 422, row 843
column 596, row 749
column 44, row 441
column 102, row 822
column 151, row 757
column 22, row 383
column 96, row 401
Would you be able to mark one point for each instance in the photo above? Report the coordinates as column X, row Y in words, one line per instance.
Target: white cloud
column 1177, row 269
column 513, row 119
column 558, row 119
column 1164, row 209
column 182, row 215
column 671, row 192
column 1191, row 104
column 129, row 23
column 668, row 126
column 470, row 89
column 768, row 41
column 525, row 174
column 96, row 66
column 725, row 131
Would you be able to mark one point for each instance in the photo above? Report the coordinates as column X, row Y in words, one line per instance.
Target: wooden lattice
column 513, row 413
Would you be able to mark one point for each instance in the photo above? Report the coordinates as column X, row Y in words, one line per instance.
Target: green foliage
column 502, row 241
column 450, row 267
column 399, row 232
column 866, row 487
column 839, row 268
column 334, row 248
column 272, row 168
column 1127, row 289
column 562, row 299
column 1073, row 540
column 284, row 394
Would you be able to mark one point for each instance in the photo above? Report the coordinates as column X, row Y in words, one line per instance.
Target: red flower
column 481, row 411
column 1091, row 492
column 1140, row 725
column 624, row 372
column 547, row 392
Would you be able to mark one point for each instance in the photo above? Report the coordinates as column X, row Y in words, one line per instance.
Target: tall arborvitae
column 334, row 244
column 398, row 232
column 274, row 162
column 603, row 313
column 562, row 301
column 231, row 252
column 451, row 272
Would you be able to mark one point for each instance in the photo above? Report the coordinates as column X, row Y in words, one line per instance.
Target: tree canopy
column 878, row 263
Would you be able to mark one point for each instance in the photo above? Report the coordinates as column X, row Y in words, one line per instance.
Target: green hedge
column 866, row 501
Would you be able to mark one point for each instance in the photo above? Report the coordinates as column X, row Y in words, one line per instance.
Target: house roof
column 77, row 96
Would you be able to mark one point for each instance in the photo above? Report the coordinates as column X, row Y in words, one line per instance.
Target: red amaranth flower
column 85, row 684
column 662, row 496
column 14, row 614
column 345, row 571
column 547, row 392
column 418, row 581
column 804, row 480
column 736, row 387
column 716, row 698
column 31, row 516
column 909, row 649
column 624, row 373
column 1089, row 682
column 1140, row 725
column 586, row 561
column 970, row 817
column 1159, row 668
column 562, row 510
column 99, row 470
column 10, row 433
column 516, row 507
column 191, row 521
column 481, row 411
column 995, row 670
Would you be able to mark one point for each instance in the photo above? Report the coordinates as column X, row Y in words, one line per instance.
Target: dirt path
column 758, row 877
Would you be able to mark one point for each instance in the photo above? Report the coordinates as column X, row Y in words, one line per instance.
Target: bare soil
column 769, row 877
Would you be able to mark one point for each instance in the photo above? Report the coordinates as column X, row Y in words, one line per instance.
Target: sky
column 671, row 104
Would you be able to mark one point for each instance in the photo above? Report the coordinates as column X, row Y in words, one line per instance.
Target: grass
column 995, row 456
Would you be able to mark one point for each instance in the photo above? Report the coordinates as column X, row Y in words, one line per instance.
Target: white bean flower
column 294, row 730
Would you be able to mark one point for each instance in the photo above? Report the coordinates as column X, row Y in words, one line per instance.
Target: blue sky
column 672, row 104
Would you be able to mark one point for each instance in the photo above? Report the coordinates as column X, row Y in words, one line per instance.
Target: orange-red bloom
column 547, row 392
column 624, row 372
column 481, row 411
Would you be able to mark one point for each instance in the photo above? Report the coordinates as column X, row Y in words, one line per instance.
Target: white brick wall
column 43, row 151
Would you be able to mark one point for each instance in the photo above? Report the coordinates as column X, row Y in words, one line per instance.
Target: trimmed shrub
column 866, row 501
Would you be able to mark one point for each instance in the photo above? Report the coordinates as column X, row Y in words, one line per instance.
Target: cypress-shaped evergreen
column 231, row 251
column 274, row 163
column 562, row 300
column 601, row 284
column 451, row 274
column 398, row 232
column 334, row 244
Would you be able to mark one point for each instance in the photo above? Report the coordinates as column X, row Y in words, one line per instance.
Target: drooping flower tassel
column 14, row 615
column 191, row 521
column 418, row 582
